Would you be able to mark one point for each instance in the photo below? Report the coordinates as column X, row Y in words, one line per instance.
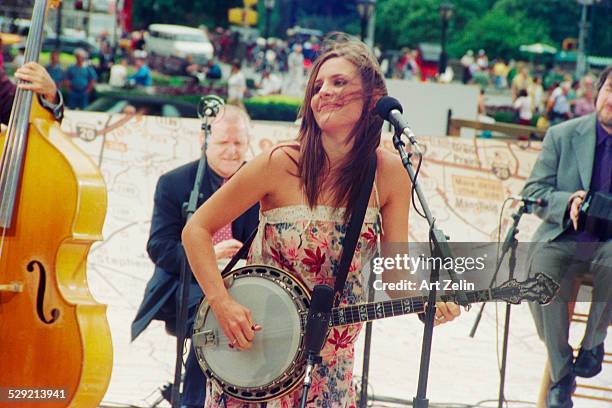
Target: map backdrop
column 465, row 181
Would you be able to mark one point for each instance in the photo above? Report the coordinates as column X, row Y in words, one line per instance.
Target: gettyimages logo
column 413, row 265
column 412, row 273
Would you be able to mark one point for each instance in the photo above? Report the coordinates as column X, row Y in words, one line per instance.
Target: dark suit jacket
column 165, row 248
column 7, row 95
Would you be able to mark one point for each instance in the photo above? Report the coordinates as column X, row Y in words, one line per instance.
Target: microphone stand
column 189, row 209
column 510, row 245
column 311, row 361
column 440, row 248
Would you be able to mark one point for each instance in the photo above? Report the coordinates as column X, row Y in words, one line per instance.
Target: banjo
column 279, row 302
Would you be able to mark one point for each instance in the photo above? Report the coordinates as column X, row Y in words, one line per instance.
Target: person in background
column 500, row 72
column 270, row 84
column 522, row 104
column 585, row 103
column 236, row 86
column 80, row 79
column 466, row 62
column 536, row 95
column 295, row 66
column 142, row 77
column 213, row 69
column 19, row 59
column 55, row 68
column 119, row 74
column 558, row 105
column 105, row 60
column 482, row 61
column 522, row 80
column 225, row 154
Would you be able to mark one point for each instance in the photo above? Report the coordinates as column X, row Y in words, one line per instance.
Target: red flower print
column 322, row 279
column 323, row 242
column 340, row 340
column 280, row 259
column 370, row 237
column 314, row 260
column 317, row 385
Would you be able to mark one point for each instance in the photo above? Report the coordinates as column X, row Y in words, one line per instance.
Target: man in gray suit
column 576, row 156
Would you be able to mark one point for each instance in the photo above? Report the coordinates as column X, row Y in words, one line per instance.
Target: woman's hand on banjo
column 236, row 322
column 446, row 312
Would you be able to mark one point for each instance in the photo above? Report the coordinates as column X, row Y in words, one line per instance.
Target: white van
column 176, row 41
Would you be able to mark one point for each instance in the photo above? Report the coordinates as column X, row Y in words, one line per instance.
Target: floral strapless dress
column 308, row 243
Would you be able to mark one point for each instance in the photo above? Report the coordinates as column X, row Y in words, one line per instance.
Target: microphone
column 317, row 323
column 209, row 106
column 390, row 109
column 315, row 333
column 530, row 200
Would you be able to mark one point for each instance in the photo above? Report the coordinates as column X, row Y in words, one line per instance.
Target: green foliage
column 273, row 107
column 498, row 26
column 500, row 33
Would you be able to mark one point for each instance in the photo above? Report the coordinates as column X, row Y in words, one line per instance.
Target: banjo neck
column 540, row 288
column 366, row 312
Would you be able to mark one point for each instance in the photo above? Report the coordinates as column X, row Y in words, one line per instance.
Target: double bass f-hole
column 40, row 297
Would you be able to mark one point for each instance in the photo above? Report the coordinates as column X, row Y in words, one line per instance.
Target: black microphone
column 317, row 323
column 530, row 200
column 390, row 109
column 209, row 106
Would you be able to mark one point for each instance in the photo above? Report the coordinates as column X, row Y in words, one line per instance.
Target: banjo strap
column 353, row 230
column 242, row 253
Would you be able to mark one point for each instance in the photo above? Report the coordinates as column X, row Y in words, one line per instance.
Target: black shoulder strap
column 352, row 232
column 242, row 253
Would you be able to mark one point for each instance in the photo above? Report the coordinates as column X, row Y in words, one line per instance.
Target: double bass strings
column 16, row 135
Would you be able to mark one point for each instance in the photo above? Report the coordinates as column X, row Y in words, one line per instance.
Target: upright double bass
column 53, row 334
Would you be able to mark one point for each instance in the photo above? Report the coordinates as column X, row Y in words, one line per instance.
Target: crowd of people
column 247, row 67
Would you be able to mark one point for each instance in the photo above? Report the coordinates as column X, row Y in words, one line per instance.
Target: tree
column 499, row 33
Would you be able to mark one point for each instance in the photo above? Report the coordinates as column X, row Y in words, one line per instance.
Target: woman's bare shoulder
column 391, row 176
column 387, row 162
column 276, row 160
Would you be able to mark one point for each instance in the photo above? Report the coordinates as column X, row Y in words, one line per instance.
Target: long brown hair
column 314, row 164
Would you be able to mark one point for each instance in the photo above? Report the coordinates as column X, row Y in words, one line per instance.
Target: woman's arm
column 248, row 186
column 396, row 187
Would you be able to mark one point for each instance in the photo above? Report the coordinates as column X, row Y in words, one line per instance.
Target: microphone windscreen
column 385, row 105
column 322, row 299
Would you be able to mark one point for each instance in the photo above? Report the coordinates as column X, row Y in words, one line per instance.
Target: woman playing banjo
column 307, row 191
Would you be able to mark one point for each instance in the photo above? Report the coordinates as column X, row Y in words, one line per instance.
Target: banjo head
column 273, row 366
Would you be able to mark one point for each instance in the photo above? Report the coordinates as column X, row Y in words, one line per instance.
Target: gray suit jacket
column 564, row 166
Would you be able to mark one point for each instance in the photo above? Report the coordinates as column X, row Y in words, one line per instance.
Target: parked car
column 169, row 45
column 143, row 104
